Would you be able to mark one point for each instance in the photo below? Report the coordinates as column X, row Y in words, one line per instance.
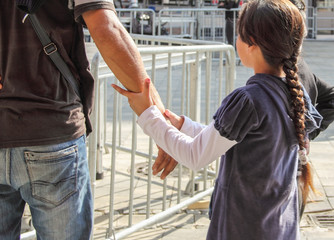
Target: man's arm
column 324, row 105
column 122, row 57
column 119, row 50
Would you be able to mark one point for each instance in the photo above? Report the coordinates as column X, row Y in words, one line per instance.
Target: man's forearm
column 116, row 47
column 119, row 50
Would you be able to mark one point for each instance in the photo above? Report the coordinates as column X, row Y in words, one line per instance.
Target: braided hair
column 278, row 28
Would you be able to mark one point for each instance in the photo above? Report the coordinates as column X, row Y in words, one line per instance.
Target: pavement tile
column 190, row 233
column 321, row 206
column 329, row 191
column 331, row 201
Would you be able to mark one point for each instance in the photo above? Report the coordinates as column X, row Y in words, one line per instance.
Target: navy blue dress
column 256, row 195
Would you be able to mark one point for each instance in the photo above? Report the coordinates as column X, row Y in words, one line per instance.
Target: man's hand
column 163, row 162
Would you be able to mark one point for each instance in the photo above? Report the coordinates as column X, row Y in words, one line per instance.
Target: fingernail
column 147, row 80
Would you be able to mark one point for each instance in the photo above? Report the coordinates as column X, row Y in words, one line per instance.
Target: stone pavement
column 318, row 220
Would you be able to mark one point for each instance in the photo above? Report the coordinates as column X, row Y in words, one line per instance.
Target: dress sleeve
column 236, row 116
column 191, row 128
column 194, row 153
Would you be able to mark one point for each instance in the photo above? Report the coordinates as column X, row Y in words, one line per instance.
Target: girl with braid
column 259, row 131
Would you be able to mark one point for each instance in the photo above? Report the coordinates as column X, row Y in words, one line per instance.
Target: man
column 43, row 160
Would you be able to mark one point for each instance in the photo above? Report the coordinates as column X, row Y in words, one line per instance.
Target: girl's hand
column 139, row 102
column 176, row 120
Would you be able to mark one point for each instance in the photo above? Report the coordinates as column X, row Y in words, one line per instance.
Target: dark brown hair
column 277, row 27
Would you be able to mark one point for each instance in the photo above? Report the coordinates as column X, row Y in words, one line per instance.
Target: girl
column 259, row 130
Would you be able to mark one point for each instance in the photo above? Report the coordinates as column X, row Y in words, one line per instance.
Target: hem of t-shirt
column 42, row 142
column 79, row 10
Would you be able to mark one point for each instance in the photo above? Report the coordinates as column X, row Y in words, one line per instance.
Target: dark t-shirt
column 37, row 105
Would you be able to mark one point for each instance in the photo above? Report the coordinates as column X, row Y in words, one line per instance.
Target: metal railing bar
column 113, row 168
column 159, row 217
column 133, row 158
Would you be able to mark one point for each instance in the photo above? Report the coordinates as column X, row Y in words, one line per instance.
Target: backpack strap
column 51, row 50
column 29, row 6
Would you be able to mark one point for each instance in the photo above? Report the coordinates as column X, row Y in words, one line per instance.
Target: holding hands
column 139, row 102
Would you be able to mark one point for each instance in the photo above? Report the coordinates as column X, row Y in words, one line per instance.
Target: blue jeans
column 54, row 181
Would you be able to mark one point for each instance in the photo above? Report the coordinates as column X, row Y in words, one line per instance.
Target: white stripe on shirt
column 79, row 2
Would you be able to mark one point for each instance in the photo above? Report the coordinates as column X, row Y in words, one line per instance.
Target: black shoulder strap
column 51, row 50
column 29, row 6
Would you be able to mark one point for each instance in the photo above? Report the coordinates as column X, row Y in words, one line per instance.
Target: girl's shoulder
column 237, row 115
column 249, row 92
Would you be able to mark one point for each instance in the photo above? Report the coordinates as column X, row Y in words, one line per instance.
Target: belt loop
column 8, row 164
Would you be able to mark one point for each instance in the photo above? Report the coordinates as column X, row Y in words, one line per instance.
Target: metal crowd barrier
column 188, row 79
column 207, row 23
column 200, row 23
column 310, row 22
column 324, row 20
column 138, row 20
column 193, row 23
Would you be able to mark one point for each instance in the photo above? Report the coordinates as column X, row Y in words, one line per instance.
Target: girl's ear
column 251, row 48
column 253, row 42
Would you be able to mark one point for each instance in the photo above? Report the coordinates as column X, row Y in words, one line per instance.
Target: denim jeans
column 54, row 181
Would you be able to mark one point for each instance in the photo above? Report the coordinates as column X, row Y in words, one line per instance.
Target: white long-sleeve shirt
column 195, row 146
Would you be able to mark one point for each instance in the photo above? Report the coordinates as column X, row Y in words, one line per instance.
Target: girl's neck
column 270, row 70
column 260, row 65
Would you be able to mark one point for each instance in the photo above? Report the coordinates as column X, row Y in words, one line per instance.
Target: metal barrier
column 178, row 73
column 209, row 23
column 201, row 23
column 324, row 20
column 192, row 23
column 140, row 21
column 310, row 22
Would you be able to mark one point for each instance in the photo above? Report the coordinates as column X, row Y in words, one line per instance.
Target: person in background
column 230, row 18
column 320, row 92
column 43, row 159
column 259, row 131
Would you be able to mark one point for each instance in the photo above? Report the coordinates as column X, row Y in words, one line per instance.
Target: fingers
column 160, row 162
column 172, row 117
column 147, row 90
column 147, row 87
column 175, row 119
column 163, row 162
column 169, row 168
column 168, row 114
column 121, row 90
